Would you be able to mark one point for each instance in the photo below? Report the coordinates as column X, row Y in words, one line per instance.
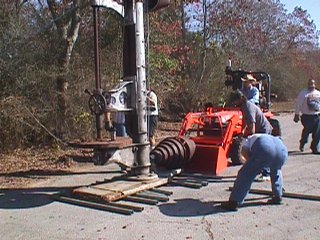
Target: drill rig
column 129, row 96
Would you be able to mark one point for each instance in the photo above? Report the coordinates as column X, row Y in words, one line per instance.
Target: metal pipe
column 129, row 42
column 141, row 200
column 153, row 196
column 99, row 118
column 96, row 47
column 161, row 191
column 94, row 205
column 186, row 184
column 143, row 152
column 126, row 206
column 285, row 194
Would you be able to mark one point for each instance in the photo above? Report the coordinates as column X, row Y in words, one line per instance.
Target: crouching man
column 260, row 151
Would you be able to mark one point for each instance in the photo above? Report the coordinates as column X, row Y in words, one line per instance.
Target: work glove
column 296, row 118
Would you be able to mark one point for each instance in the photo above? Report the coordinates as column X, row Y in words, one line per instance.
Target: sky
column 312, row 7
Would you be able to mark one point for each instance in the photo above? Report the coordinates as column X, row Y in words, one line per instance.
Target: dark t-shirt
column 253, row 114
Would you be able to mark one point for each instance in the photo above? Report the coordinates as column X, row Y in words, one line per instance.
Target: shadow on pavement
column 29, row 198
column 189, row 208
column 293, row 153
column 194, row 207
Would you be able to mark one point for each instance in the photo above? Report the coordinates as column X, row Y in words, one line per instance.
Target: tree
column 66, row 17
column 301, row 30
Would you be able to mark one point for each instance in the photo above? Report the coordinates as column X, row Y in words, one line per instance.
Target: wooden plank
column 145, row 185
column 92, row 191
column 102, row 193
column 138, row 188
column 119, row 185
column 119, row 189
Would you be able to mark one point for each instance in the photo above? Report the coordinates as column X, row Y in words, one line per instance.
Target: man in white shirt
column 153, row 113
column 308, row 104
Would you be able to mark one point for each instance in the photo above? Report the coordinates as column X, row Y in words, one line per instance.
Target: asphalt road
column 189, row 213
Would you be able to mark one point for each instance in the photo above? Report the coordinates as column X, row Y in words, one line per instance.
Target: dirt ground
column 27, row 166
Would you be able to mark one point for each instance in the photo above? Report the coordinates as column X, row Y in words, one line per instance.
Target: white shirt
column 155, row 110
column 301, row 101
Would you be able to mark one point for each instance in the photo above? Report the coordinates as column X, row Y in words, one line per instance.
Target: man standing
column 116, row 122
column 254, row 119
column 255, row 122
column 153, row 113
column 308, row 104
column 260, row 151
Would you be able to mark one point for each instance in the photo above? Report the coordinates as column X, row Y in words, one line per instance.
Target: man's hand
column 109, row 126
column 296, row 118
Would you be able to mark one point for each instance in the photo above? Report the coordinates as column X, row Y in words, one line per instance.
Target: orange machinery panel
column 208, row 159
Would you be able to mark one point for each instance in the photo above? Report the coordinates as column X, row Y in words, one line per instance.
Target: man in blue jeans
column 308, row 104
column 255, row 122
column 261, row 151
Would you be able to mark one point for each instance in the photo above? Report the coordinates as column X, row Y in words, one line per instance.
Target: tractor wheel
column 235, row 151
column 276, row 131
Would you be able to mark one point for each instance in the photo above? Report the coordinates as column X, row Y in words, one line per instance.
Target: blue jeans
column 266, row 171
column 267, row 151
column 120, row 130
column 311, row 124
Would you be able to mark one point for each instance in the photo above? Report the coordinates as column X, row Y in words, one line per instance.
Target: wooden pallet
column 114, row 194
column 117, row 189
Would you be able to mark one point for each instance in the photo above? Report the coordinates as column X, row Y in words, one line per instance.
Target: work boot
column 315, row 151
column 275, row 200
column 230, row 205
column 301, row 147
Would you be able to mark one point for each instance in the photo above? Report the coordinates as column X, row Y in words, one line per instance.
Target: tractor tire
column 276, row 131
column 235, row 151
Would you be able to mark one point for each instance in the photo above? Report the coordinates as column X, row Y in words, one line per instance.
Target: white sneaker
column 262, row 178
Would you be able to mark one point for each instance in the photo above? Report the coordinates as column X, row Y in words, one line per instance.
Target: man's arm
column 151, row 101
column 255, row 95
column 251, row 128
column 250, row 119
column 299, row 102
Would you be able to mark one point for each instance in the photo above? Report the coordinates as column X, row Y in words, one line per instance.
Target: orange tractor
column 213, row 136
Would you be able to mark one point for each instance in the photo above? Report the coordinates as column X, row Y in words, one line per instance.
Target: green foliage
column 161, row 62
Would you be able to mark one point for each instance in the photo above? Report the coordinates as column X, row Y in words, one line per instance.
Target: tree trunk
column 67, row 24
